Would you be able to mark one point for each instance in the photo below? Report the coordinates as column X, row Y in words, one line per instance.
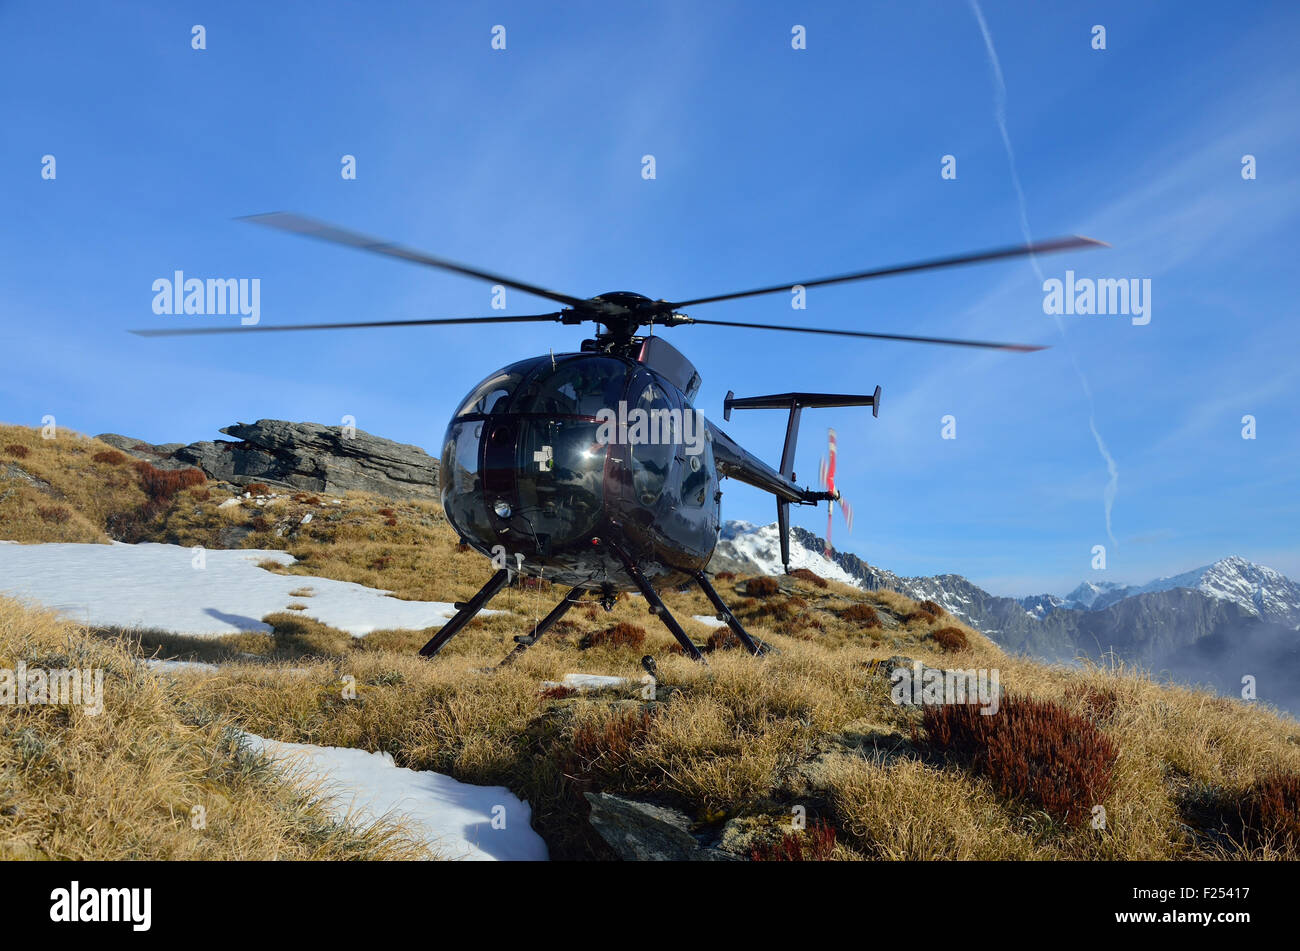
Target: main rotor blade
column 1019, row 250
column 300, row 224
column 269, row 328
column 951, row 341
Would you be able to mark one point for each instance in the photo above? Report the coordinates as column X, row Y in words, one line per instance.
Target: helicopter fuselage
column 555, row 464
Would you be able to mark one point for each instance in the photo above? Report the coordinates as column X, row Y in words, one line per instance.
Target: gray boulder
column 303, row 456
column 644, row 832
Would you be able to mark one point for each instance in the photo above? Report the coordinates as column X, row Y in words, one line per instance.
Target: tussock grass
column 812, row 726
column 124, row 784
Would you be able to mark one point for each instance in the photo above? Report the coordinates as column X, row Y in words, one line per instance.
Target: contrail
column 1000, row 113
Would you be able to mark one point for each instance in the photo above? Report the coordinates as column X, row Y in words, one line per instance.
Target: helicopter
column 592, row 469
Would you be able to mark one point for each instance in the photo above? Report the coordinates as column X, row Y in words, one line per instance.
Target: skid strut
column 525, row 641
column 466, row 613
column 751, row 644
column 657, row 607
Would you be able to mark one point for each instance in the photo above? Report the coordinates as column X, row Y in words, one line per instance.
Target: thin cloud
column 1000, row 113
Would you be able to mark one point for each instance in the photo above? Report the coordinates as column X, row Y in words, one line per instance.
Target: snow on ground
column 159, row 586
column 456, row 819
column 584, row 683
column 180, row 666
column 708, row 620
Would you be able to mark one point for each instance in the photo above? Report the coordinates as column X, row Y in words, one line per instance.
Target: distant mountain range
column 1212, row 625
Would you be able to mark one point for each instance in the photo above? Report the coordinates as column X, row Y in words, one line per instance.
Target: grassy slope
column 745, row 737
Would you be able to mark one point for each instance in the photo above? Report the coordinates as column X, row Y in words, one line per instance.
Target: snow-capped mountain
column 1212, row 625
column 1259, row 590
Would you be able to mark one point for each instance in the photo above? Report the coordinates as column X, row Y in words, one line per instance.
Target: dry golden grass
column 810, row 726
column 123, row 784
column 61, row 474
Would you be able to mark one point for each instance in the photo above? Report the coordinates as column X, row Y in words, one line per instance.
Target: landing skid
column 467, row 611
column 752, row 644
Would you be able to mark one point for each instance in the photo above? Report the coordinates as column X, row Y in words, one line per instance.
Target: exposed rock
column 303, row 456
column 644, row 832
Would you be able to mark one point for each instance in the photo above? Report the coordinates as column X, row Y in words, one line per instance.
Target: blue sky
column 772, row 165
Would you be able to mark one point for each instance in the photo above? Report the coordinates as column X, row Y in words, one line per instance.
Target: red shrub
column 1098, row 703
column 1270, row 812
column 932, row 607
column 387, row 513
column 391, row 522
column 725, row 576
column 1030, row 749
column 621, row 634
column 161, row 484
column 605, row 745
column 558, row 692
column 952, row 640
column 258, row 488
column 54, row 514
column 805, row 574
column 919, row 615
column 814, row 844
column 109, row 457
column 18, row 450
column 863, row 614
column 761, row 587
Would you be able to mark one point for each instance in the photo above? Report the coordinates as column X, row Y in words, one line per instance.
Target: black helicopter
column 592, row 469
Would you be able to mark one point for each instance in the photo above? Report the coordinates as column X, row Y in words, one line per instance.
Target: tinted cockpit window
column 493, row 394
column 574, row 387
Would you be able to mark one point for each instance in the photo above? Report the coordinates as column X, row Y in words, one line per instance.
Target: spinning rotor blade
column 950, row 341
column 847, row 511
column 1038, row 247
column 299, row 224
column 268, row 328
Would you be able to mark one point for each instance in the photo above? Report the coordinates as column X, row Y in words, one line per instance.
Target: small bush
column 805, row 574
column 391, row 522
column 387, row 513
column 605, row 745
column 558, row 692
column 762, row 587
column 109, row 457
column 260, row 523
column 862, row 614
column 919, row 616
column 621, row 634
column 1033, row 750
column 1270, row 812
column 161, row 484
column 932, row 607
column 1098, row 703
column 723, row 639
column 814, row 844
column 951, row 640
column 54, row 514
column 17, row 450
column 725, row 576
column 258, row 488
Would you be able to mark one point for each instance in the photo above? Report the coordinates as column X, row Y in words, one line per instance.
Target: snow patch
column 158, row 586
column 455, row 819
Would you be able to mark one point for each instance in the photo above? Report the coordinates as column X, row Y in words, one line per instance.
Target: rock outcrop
column 304, row 456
